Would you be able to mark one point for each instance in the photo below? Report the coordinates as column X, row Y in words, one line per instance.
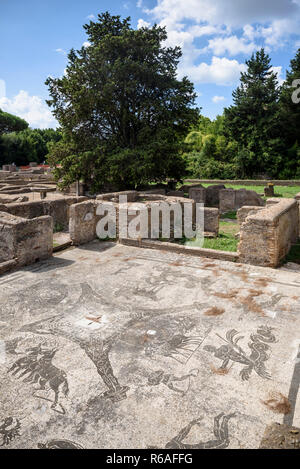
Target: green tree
column 123, row 112
column 11, row 123
column 27, row 145
column 290, row 119
column 253, row 120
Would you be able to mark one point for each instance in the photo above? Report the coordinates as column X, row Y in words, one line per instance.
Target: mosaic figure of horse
column 233, row 352
column 37, row 368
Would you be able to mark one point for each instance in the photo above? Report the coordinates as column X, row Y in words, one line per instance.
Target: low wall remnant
column 267, row 235
column 25, row 241
column 231, row 199
column 58, row 209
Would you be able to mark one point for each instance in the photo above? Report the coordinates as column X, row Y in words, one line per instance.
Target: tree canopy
column 11, row 123
column 253, row 119
column 258, row 135
column 122, row 109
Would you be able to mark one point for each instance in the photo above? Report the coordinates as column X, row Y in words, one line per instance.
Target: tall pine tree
column 252, row 121
column 290, row 119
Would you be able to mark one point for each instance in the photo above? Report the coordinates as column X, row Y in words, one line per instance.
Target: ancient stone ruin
column 26, row 221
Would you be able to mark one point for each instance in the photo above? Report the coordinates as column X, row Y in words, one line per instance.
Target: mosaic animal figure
column 37, row 368
column 220, row 431
column 59, row 444
column 179, row 347
column 233, row 352
column 9, row 430
column 160, row 377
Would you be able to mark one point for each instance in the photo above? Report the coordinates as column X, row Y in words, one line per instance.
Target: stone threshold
column 180, row 249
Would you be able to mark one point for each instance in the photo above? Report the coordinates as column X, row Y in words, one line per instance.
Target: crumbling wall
column 243, row 212
column 58, row 209
column 84, row 217
column 231, row 199
column 266, row 236
column 23, row 240
column 114, row 196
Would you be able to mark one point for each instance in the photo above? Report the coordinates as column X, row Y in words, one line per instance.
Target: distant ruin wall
column 245, row 182
column 58, row 209
column 266, row 236
column 25, row 241
column 231, row 199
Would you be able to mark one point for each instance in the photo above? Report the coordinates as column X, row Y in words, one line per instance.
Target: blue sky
column 216, row 38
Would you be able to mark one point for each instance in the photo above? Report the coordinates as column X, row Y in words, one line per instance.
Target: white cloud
column 2, row 88
column 233, row 13
column 234, row 26
column 143, row 24
column 218, row 99
column 278, row 71
column 31, row 108
column 139, row 4
column 231, row 45
column 86, row 44
column 221, row 71
column 61, row 51
column 90, row 17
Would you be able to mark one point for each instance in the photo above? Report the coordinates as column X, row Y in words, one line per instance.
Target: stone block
column 269, row 190
column 82, row 223
column 247, row 197
column 198, row 194
column 25, row 240
column 211, row 220
column 227, row 200
column 231, row 199
column 213, row 195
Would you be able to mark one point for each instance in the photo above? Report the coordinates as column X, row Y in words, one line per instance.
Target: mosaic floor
column 108, row 346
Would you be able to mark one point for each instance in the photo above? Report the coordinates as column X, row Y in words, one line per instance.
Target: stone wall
column 198, row 194
column 243, row 212
column 84, row 217
column 58, row 209
column 114, row 196
column 266, row 236
column 231, row 199
column 23, row 240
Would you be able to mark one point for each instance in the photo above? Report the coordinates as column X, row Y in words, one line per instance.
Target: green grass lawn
column 226, row 240
column 231, row 215
column 280, row 191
